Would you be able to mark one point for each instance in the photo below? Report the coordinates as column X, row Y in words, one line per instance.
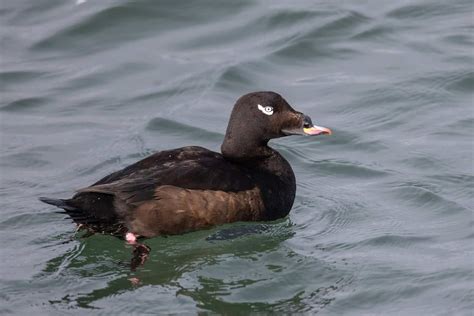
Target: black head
column 260, row 116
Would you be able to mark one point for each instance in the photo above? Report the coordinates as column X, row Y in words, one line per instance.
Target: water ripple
column 169, row 126
column 425, row 196
column 382, row 221
column 25, row 104
column 425, row 10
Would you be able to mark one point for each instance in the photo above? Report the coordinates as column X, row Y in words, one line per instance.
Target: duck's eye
column 268, row 110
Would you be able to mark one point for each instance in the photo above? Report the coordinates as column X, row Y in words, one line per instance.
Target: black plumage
column 189, row 188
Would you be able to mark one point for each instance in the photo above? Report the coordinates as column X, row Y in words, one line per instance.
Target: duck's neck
column 242, row 149
column 272, row 173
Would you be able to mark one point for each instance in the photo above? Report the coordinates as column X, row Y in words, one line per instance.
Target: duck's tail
column 74, row 211
column 59, row 203
column 76, row 214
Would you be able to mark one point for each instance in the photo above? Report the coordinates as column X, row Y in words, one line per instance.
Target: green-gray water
column 383, row 219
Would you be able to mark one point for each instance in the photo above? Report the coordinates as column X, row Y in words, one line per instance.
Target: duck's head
column 258, row 117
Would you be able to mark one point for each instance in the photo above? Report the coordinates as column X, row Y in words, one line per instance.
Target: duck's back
column 170, row 192
column 183, row 166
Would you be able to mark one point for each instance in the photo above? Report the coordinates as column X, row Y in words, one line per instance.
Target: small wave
column 13, row 78
column 25, row 104
column 426, row 10
column 236, row 78
column 394, row 241
column 461, row 80
column 174, row 95
column 288, row 17
column 310, row 45
column 94, row 169
column 423, row 162
column 349, row 169
column 325, row 217
column 464, row 40
column 26, row 160
column 375, row 32
column 343, row 25
column 172, row 127
column 463, row 128
column 425, row 197
column 101, row 30
column 463, row 179
column 380, row 242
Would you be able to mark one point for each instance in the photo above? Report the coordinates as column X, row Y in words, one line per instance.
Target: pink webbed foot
column 140, row 251
column 131, row 238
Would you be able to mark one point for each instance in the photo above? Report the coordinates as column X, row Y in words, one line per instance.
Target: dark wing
column 157, row 161
column 111, row 203
column 114, row 197
column 189, row 168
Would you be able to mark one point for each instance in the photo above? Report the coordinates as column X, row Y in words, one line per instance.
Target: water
column 382, row 222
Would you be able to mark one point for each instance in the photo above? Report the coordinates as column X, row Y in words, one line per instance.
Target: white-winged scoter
column 190, row 188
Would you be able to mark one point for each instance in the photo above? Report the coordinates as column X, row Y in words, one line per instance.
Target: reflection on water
column 215, row 273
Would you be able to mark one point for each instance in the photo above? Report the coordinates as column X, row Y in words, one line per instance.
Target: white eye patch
column 267, row 110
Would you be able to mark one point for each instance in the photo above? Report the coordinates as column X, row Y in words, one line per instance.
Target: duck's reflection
column 239, row 266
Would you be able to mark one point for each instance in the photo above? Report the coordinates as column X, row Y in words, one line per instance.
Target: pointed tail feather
column 76, row 214
column 59, row 203
column 95, row 210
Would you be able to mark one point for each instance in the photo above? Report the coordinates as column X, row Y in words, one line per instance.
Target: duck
column 191, row 188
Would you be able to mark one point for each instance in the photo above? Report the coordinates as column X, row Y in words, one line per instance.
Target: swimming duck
column 190, row 188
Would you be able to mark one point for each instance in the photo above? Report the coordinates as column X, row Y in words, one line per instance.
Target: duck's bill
column 317, row 130
column 311, row 131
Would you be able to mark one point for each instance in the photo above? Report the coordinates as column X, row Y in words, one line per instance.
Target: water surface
column 383, row 218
